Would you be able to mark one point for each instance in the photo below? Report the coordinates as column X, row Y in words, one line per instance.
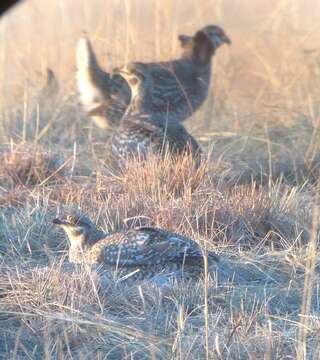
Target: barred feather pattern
column 174, row 96
column 180, row 86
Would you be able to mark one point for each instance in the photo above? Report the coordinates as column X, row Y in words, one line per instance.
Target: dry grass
column 50, row 309
column 27, row 165
column 253, row 199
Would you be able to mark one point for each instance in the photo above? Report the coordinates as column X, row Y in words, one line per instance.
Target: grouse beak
column 60, row 222
column 226, row 39
column 185, row 40
column 123, row 71
column 119, row 71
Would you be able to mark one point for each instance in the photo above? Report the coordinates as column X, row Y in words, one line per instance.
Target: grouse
column 51, row 85
column 180, row 86
column 144, row 251
column 141, row 132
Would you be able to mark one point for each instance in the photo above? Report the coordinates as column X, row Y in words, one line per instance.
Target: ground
column 254, row 200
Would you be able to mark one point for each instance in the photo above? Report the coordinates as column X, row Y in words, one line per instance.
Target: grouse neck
column 199, row 58
column 141, row 102
column 95, row 237
column 202, row 62
column 77, row 249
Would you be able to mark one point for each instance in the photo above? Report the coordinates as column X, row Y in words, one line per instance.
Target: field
column 254, row 200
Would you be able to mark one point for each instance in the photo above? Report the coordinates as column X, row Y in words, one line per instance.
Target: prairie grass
column 253, row 200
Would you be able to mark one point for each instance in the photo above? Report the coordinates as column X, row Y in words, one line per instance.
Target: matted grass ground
column 254, row 200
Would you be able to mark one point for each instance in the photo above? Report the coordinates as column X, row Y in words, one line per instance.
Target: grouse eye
column 133, row 81
column 72, row 219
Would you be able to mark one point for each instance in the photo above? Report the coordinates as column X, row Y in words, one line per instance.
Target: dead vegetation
column 251, row 200
column 28, row 166
column 49, row 308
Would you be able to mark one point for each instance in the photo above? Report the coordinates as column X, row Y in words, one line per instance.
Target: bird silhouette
column 180, row 86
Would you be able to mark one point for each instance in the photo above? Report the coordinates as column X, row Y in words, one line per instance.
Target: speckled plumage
column 144, row 252
column 141, row 132
column 180, row 86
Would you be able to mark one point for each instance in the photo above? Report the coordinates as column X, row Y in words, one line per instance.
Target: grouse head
column 138, row 78
column 206, row 41
column 78, row 228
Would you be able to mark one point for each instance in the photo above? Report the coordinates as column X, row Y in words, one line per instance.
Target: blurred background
column 269, row 37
